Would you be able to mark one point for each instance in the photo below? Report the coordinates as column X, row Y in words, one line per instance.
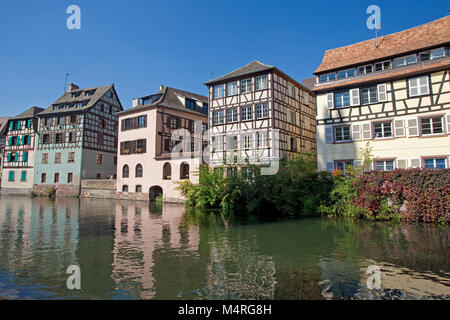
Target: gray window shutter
column 382, row 96
column 415, row 163
column 399, row 128
column 448, row 123
column 367, row 131
column 413, row 130
column 354, row 97
column 401, row 164
column 330, row 100
column 356, row 132
column 329, row 134
column 330, row 166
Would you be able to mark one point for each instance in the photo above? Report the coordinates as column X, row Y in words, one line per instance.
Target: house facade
column 77, row 139
column 393, row 92
column 259, row 115
column 3, row 133
column 19, row 151
column 150, row 132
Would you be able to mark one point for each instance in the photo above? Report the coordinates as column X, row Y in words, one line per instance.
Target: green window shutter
column 23, row 176
column 10, row 141
column 9, row 157
column 29, row 123
column 25, row 156
column 16, row 157
column 17, row 141
column 11, row 176
column 11, row 125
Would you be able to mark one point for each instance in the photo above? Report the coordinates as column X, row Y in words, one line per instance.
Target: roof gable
column 29, row 113
column 250, row 68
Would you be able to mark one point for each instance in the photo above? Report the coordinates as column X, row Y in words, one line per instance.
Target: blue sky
column 140, row 44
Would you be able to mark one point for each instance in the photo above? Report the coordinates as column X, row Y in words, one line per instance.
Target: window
column 43, row 177
column 46, row 139
column 141, row 146
column 167, row 171
column 232, row 115
column 73, row 119
column 292, row 90
column 58, row 157
column 438, row 53
column 134, row 123
column 60, row 120
column 71, row 156
column 380, row 66
column 246, row 113
column 262, row 111
column 69, row 177
column 58, row 138
column 384, row 165
column 342, row 134
column 403, row 61
column 342, row 99
column 190, row 104
column 432, row 125
column 293, row 117
column 218, row 117
column 343, row 165
column 218, row 91
column 89, row 93
column 369, row 95
column 231, row 88
column 23, row 176
column 125, row 171
column 184, row 171
column 263, row 141
column 346, row 73
column 76, row 94
column 99, row 158
column 435, row 163
column 247, row 141
column 205, row 108
column 382, row 130
column 327, row 77
column 124, row 188
column 261, row 82
column 82, row 104
column 44, row 158
column 71, row 136
column 150, row 99
column 138, row 171
column 365, row 69
column 246, row 85
column 56, row 179
column 138, row 188
column 293, row 144
column 418, row 86
column 11, row 176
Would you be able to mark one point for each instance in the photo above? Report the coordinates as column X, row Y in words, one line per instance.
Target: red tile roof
column 428, row 35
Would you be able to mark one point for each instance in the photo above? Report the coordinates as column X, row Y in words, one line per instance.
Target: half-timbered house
column 257, row 115
column 77, row 139
column 19, row 152
column 393, row 92
column 161, row 141
column 3, row 133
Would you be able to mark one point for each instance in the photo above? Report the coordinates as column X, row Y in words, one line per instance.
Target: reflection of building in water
column 139, row 233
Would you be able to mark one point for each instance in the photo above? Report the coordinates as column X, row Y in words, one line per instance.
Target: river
column 137, row 250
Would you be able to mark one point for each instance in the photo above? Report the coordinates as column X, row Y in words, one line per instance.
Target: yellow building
column 394, row 92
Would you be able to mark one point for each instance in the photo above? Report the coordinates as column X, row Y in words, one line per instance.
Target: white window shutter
column 356, row 132
column 382, row 95
column 354, row 97
column 415, row 163
column 448, row 123
column 399, row 128
column 330, row 166
column 330, row 100
column 413, row 130
column 357, row 164
column 329, row 134
column 401, row 164
column 367, row 131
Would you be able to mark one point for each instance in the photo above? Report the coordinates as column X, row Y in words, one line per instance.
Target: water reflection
column 136, row 250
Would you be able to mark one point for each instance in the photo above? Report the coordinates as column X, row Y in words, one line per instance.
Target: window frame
column 382, row 123
column 266, row 82
column 430, row 118
column 264, row 111
column 248, row 85
column 418, row 86
column 343, row 133
column 235, row 88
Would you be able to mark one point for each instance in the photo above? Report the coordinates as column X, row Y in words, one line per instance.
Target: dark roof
column 170, row 100
column 309, row 83
column 250, row 68
column 3, row 123
column 30, row 113
column 67, row 98
column 428, row 35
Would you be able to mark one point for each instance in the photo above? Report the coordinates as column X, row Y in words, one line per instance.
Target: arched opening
column 155, row 192
column 138, row 171
column 125, row 171
column 124, row 188
column 167, row 171
column 184, row 171
column 138, row 188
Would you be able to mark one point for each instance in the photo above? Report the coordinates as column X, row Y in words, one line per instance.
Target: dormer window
column 327, row 77
column 205, row 108
column 76, row 94
column 380, row 66
column 346, row 73
column 89, row 93
column 82, row 104
column 365, row 69
column 190, row 104
column 403, row 61
column 432, row 54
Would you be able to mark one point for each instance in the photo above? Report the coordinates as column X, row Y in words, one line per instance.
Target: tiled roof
column 30, row 113
column 428, row 35
column 170, row 100
column 3, row 123
column 67, row 98
column 250, row 68
column 390, row 74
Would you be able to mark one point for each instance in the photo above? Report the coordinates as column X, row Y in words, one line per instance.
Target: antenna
column 66, row 77
column 376, row 36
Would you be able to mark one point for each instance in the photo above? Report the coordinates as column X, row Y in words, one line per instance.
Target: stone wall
column 98, row 188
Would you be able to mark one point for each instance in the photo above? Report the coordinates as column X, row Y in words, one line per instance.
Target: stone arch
column 154, row 192
column 184, row 170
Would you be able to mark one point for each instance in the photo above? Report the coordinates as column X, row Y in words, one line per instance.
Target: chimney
column 161, row 87
column 72, row 87
column 135, row 102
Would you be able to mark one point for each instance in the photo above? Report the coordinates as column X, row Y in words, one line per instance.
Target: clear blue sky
column 140, row 44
